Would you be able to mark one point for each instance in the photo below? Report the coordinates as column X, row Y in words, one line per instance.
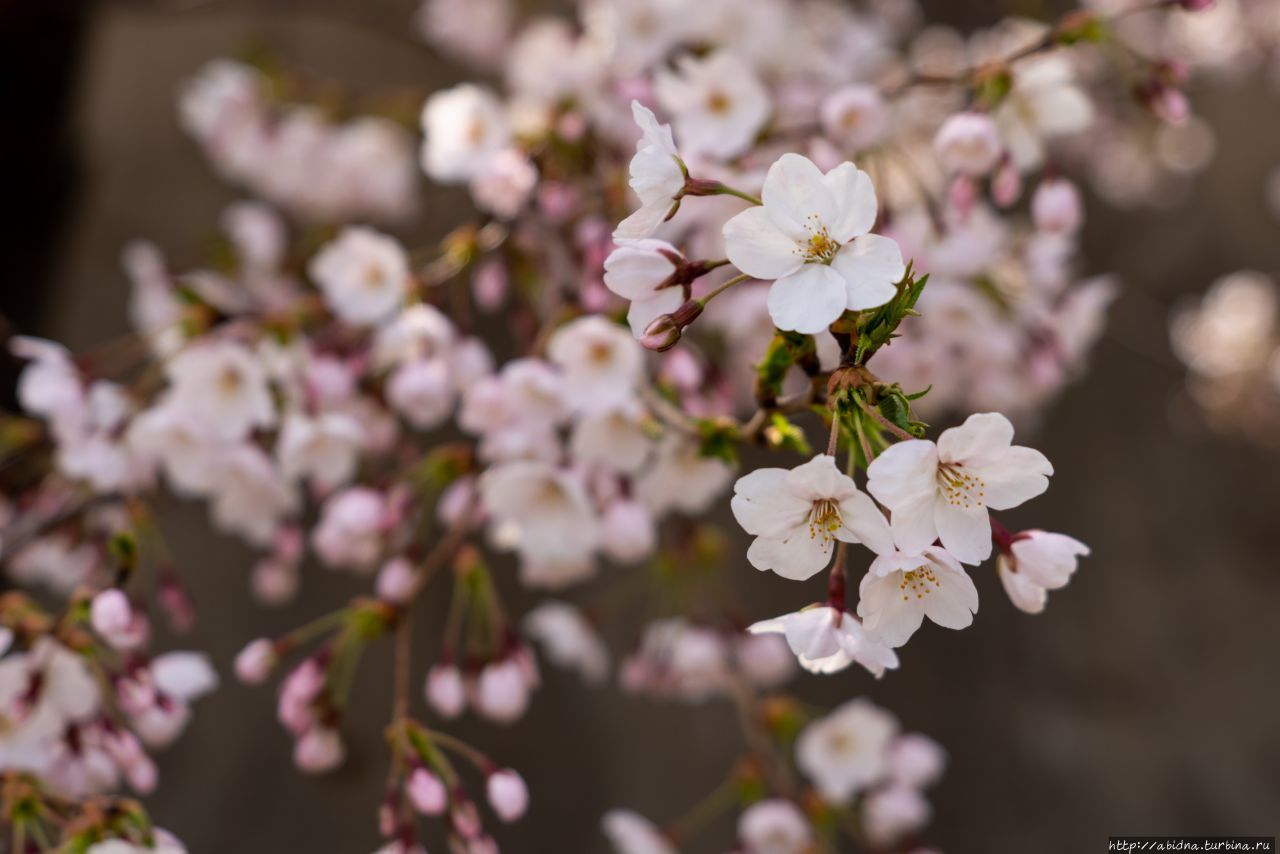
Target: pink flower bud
column 508, row 795
column 427, row 792
column 489, row 286
column 465, row 817
column 395, row 580
column 115, row 620
column 320, row 749
column 255, row 662
column 1056, row 207
column 502, row 691
column 661, row 334
column 961, row 195
column 142, row 775
column 968, row 143
column 444, row 691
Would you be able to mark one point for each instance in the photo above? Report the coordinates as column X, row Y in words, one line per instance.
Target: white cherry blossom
column 827, row 640
column 363, row 274
column 657, row 176
column 1035, row 563
column 464, row 128
column 798, row 515
column 222, row 387
column 774, row 826
column 901, row 589
column 600, row 362
column 944, row 491
column 642, row 271
column 717, row 103
column 812, row 236
column 847, row 751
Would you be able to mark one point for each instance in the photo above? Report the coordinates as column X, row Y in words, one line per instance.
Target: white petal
column 913, row 524
column 808, row 300
column 756, row 247
column 764, row 506
column 1018, row 475
column 796, row 197
column 980, row 438
column 871, row 266
column 855, row 197
column 965, row 532
column 904, row 473
column 645, row 311
column 864, row 523
column 818, row 479
column 798, row 557
column 885, row 613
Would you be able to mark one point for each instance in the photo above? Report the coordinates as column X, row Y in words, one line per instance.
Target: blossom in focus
column 900, row 590
column 944, row 491
column 812, row 236
column 642, row 272
column 657, row 176
column 827, row 640
column 798, row 515
column 1035, row 563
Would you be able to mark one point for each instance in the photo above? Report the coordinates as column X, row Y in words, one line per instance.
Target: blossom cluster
column 701, row 235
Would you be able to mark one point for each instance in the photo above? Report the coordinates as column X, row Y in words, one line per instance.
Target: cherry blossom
column 827, row 640
column 900, row 590
column 944, row 491
column 811, row 235
column 643, row 272
column 797, row 516
column 846, row 751
column 363, row 274
column 774, row 826
column 657, row 176
column 716, row 102
column 1035, row 563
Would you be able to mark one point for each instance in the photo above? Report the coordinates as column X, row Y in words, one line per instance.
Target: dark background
column 1142, row 702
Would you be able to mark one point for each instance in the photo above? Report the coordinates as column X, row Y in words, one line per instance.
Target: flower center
column 819, row 248
column 824, row 520
column 959, row 487
column 718, row 103
column 919, row 582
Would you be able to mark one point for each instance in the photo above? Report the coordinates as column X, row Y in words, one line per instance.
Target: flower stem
column 741, row 277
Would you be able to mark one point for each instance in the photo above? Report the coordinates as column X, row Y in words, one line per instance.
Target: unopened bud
column 508, row 794
column 661, row 334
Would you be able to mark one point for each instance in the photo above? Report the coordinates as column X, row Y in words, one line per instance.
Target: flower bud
column 427, row 792
column 395, row 580
column 320, row 749
column 968, row 143
column 662, row 334
column 444, row 691
column 464, row 817
column 1056, row 207
column 502, row 691
column 1006, row 186
column 255, row 662
column 114, row 619
column 508, row 794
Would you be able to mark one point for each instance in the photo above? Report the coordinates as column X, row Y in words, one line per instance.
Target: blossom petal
column 642, row 312
column 964, row 531
column 913, row 524
column 818, row 479
column 797, row 557
column 864, row 523
column 1018, row 475
column 758, row 248
column 796, row 197
column 764, row 506
column 808, row 300
column 904, row 473
column 954, row 601
column 855, row 197
column 885, row 613
column 871, row 266
column 981, row 437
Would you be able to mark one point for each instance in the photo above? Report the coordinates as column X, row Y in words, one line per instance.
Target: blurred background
column 1143, row 701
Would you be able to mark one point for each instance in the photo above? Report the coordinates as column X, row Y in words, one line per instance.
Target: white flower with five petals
column 797, row 515
column 811, row 235
column 944, row 491
column 901, row 589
